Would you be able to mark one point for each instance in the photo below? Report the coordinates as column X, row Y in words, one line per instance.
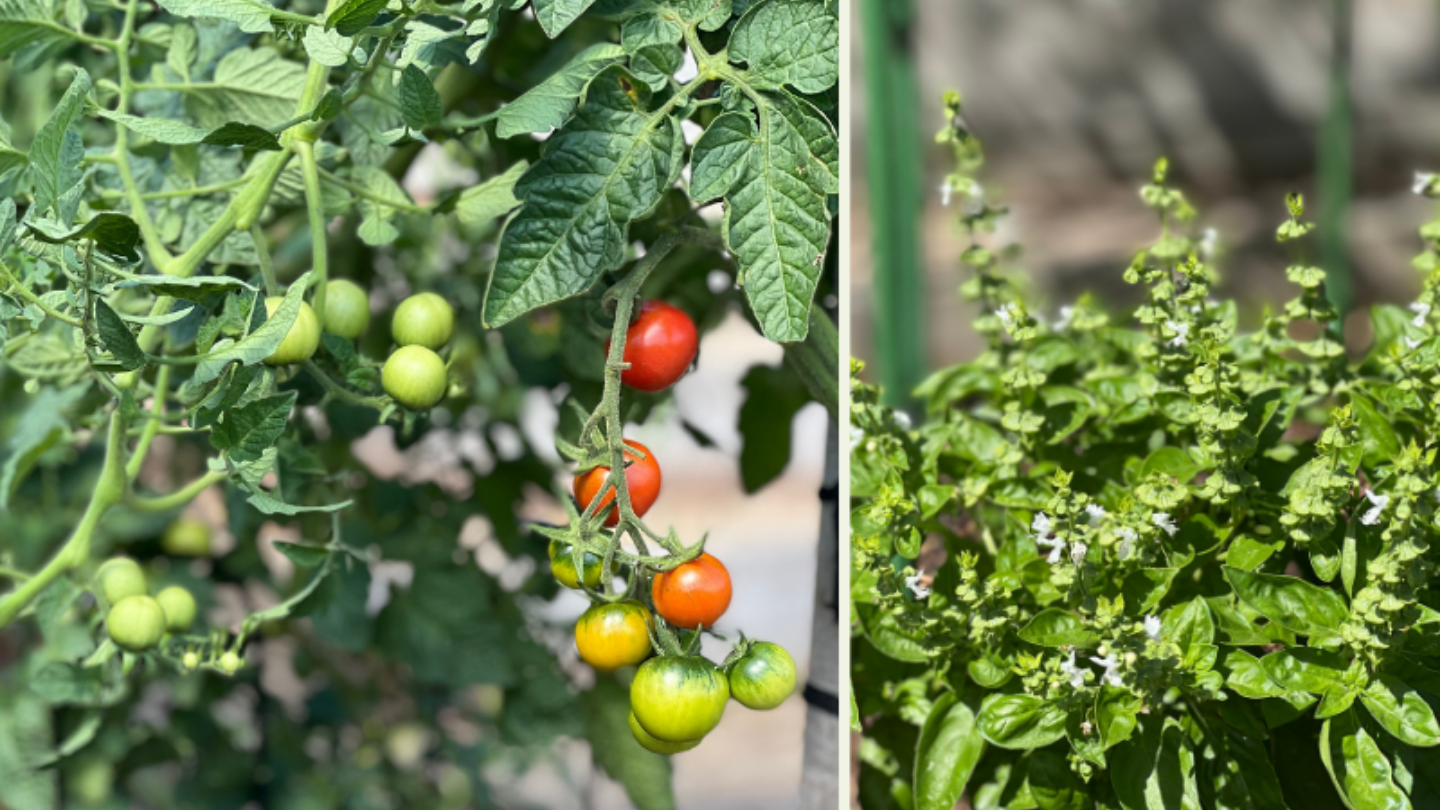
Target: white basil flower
column 913, row 583
column 1421, row 310
column 1095, row 511
column 1077, row 553
column 1181, row 330
column 1056, row 546
column 1411, row 343
column 1208, row 240
column 1112, row 667
column 1162, row 519
column 1152, row 627
column 1062, row 322
column 1077, row 675
column 1127, row 542
column 945, row 191
column 1006, row 314
column 977, row 199
column 1377, row 505
column 857, row 437
column 902, row 419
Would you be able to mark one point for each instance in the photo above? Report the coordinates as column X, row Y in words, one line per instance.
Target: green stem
column 151, row 426
column 14, row 573
column 366, row 194
column 314, row 209
column 25, row 293
column 340, row 392
column 178, row 498
column 267, row 266
column 154, row 245
column 109, row 490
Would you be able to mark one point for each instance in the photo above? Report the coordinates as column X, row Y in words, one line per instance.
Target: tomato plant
column 1154, row 557
column 203, row 204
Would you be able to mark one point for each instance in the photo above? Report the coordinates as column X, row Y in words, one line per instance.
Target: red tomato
column 642, row 478
column 660, row 345
column 695, row 593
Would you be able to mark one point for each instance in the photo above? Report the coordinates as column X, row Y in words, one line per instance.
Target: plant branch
column 151, row 426
column 178, row 498
column 25, row 293
column 314, row 210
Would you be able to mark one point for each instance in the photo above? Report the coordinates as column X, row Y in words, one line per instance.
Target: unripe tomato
column 347, row 309
column 678, row 698
column 136, row 623
column 425, row 320
column 301, row 341
column 693, row 594
column 650, row 742
column 562, row 566
column 186, row 537
column 660, row 345
column 90, row 780
column 179, row 607
column 119, row 578
column 230, row 663
column 642, row 478
column 763, row 677
column 190, row 661
column 614, row 635
column 415, row 377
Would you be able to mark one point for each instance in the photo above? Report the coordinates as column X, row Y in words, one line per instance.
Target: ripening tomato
column 562, row 566
column 660, row 345
column 693, row 594
column 642, row 478
column 424, row 319
column 120, row 577
column 347, row 309
column 614, row 635
column 136, row 623
column 678, row 698
column 415, row 377
column 763, row 677
column 650, row 742
column 179, row 607
column 301, row 341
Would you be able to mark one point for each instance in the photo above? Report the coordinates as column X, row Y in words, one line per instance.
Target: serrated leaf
column 789, row 42
column 114, row 235
column 355, row 16
column 117, row 338
column 184, row 50
column 376, row 216
column 303, row 556
column 655, row 64
column 164, row 130
column 650, row 28
column 645, row 776
column 245, row 433
column 720, row 157
column 192, row 288
column 419, row 103
column 556, row 15
column 42, row 424
column 777, row 222
column 247, row 136
column 548, row 104
column 608, row 166
column 28, row 23
column 328, row 46
column 260, row 343
column 253, row 16
column 250, row 86
column 493, row 198
column 57, row 151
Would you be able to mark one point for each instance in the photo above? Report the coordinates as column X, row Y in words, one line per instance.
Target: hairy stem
column 152, row 426
column 178, row 498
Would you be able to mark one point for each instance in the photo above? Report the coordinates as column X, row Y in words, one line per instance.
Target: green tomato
column 179, row 607
column 119, row 578
column 415, row 377
column 186, row 537
column 425, row 320
column 347, row 309
column 136, row 623
column 301, row 341
column 763, row 677
column 230, row 663
column 90, row 779
column 650, row 742
column 562, row 566
column 190, row 661
column 678, row 698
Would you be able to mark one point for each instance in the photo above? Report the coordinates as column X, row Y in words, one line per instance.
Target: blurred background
column 1075, row 99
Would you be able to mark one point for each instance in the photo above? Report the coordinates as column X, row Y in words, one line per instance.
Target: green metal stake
column 1335, row 169
column 893, row 156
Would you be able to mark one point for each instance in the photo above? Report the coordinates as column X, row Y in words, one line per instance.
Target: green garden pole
column 893, row 158
column 1336, row 166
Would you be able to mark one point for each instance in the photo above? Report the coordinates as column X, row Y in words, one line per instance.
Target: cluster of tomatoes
column 414, row 375
column 135, row 620
column 675, row 698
